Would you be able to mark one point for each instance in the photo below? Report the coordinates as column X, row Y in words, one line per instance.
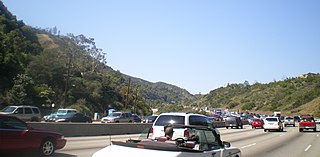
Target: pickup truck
column 306, row 123
column 203, row 142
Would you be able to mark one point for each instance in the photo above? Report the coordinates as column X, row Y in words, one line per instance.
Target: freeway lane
column 273, row 144
column 252, row 142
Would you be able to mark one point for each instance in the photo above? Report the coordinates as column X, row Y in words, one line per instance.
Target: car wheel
column 265, row 130
column 227, row 127
column 47, row 147
column 300, row 130
column 315, row 129
column 241, row 126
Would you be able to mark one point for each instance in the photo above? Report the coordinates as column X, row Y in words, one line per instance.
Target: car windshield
column 114, row 114
column 289, row 118
column 169, row 119
column 8, row 109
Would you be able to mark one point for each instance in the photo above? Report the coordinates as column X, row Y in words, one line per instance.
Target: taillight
column 279, row 123
column 186, row 133
column 151, row 130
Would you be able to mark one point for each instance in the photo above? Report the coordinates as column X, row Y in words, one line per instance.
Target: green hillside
column 292, row 96
column 40, row 67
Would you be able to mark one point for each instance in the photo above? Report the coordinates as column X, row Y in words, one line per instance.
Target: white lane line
column 282, row 135
column 250, row 145
column 307, row 148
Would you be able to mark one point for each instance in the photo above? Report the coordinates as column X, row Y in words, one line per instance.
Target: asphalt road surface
column 251, row 142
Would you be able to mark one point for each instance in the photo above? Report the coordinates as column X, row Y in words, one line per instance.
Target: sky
column 196, row 45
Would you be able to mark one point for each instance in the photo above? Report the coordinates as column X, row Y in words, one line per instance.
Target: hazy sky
column 198, row 45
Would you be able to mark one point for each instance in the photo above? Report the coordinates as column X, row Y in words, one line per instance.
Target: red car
column 257, row 123
column 16, row 135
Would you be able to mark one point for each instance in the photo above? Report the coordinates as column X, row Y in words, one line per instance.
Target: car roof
column 181, row 114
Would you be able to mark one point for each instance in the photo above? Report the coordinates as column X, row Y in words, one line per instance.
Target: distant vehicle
column 307, row 123
column 203, row 142
column 62, row 112
column 16, row 135
column 233, row 122
column 50, row 118
column 289, row 121
column 25, row 113
column 272, row 123
column 277, row 114
column 149, row 119
column 178, row 118
column 257, row 123
column 136, row 118
column 118, row 117
column 74, row 117
column 296, row 118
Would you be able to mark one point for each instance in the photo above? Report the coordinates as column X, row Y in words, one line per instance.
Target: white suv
column 272, row 123
column 176, row 118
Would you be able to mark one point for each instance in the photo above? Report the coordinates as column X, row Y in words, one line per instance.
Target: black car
column 233, row 122
column 149, row 119
column 74, row 117
column 136, row 118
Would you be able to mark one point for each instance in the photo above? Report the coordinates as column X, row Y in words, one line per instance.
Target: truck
column 307, row 123
column 277, row 114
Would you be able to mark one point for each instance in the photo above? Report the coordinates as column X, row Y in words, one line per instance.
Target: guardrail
column 95, row 129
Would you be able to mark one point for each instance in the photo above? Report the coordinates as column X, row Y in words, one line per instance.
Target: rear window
column 231, row 119
column 272, row 119
column 308, row 119
column 169, row 119
column 198, row 120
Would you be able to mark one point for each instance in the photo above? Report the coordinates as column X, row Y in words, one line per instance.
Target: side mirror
column 226, row 144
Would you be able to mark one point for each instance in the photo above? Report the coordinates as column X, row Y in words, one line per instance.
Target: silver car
column 25, row 113
column 289, row 121
column 118, row 117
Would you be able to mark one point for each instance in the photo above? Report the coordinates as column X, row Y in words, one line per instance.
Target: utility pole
column 127, row 94
column 135, row 100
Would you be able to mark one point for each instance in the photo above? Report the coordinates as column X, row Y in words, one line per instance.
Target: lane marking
column 282, row 134
column 317, row 135
column 307, row 148
column 250, row 145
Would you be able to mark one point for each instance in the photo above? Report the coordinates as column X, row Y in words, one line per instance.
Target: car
column 16, row 135
column 257, row 123
column 136, row 118
column 232, row 122
column 62, row 112
column 118, row 117
column 25, row 113
column 272, row 123
column 50, row 118
column 149, row 119
column 296, row 118
column 289, row 121
column 74, row 117
column 307, row 122
column 178, row 118
column 202, row 142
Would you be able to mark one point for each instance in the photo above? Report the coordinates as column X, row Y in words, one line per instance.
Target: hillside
column 298, row 95
column 40, row 67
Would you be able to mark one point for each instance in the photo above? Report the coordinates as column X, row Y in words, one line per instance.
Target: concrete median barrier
column 98, row 129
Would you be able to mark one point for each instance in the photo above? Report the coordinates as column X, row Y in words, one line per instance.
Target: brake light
column 186, row 133
column 151, row 130
column 278, row 123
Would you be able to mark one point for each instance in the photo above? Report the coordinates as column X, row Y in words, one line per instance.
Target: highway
column 252, row 143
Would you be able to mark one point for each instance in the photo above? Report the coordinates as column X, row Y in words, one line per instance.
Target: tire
column 227, row 127
column 242, row 127
column 300, row 130
column 34, row 119
column 265, row 130
column 47, row 147
column 315, row 129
